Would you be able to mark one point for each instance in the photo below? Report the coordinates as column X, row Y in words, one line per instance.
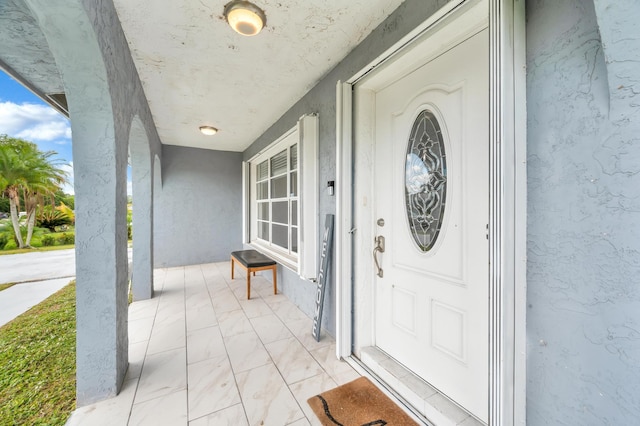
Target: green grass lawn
column 31, row 250
column 6, row 286
column 38, row 363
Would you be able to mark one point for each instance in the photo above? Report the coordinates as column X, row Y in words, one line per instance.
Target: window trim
column 284, row 142
column 304, row 262
column 309, row 196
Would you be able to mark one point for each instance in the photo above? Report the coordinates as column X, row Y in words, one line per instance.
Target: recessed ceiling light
column 208, row 130
column 245, row 17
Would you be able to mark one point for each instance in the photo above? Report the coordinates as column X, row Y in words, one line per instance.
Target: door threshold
column 423, row 398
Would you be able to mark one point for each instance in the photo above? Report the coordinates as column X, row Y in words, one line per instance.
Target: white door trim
column 344, row 219
column 507, row 233
column 507, row 228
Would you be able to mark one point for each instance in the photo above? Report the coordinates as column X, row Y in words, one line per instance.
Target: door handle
column 379, row 242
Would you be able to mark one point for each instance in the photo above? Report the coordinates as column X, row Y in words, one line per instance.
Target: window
column 282, row 200
column 277, row 200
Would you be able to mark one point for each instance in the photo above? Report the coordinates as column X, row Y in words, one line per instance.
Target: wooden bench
column 253, row 261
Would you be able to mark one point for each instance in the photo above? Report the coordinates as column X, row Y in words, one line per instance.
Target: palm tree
column 44, row 180
column 11, row 171
column 26, row 170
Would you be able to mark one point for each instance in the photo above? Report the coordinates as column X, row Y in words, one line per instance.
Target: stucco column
column 583, row 193
column 617, row 25
column 100, row 162
column 142, row 175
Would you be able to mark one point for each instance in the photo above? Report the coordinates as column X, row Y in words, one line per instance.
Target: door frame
column 507, row 212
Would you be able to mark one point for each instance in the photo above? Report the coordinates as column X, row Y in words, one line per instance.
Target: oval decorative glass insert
column 425, row 180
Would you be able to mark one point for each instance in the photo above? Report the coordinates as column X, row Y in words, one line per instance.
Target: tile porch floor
column 201, row 354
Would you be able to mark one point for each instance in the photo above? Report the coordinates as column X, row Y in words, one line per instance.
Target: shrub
column 48, row 240
column 67, row 238
column 4, row 239
column 70, row 239
column 50, row 218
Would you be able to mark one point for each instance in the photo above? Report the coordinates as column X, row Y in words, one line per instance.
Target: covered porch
column 559, row 229
column 200, row 353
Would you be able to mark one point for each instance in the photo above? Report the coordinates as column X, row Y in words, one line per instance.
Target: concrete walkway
column 39, row 274
column 39, row 265
column 22, row 297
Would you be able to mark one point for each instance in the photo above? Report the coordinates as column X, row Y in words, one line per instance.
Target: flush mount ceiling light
column 208, row 130
column 245, row 17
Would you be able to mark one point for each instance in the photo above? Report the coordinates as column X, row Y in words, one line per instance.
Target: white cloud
column 47, row 131
column 40, row 123
column 36, row 123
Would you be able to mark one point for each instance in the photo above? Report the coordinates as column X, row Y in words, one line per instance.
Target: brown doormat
column 358, row 403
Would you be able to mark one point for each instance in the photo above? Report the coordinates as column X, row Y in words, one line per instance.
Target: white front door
column 431, row 190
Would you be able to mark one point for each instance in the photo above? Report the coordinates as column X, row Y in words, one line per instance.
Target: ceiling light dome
column 245, row 17
column 208, row 130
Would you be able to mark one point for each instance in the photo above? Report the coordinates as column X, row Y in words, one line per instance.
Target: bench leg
column 275, row 280
column 231, row 267
column 248, row 284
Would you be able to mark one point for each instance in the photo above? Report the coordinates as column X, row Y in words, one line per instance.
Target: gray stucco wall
column 322, row 100
column 198, row 212
column 127, row 101
column 583, row 322
column 104, row 94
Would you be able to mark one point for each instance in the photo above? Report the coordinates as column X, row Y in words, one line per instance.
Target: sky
column 24, row 115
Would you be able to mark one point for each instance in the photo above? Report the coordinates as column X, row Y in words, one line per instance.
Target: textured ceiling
column 196, row 71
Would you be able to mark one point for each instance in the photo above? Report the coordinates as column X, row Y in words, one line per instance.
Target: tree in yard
column 4, row 205
column 27, row 172
column 67, row 199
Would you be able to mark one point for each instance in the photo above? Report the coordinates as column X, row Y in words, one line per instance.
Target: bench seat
column 253, row 261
